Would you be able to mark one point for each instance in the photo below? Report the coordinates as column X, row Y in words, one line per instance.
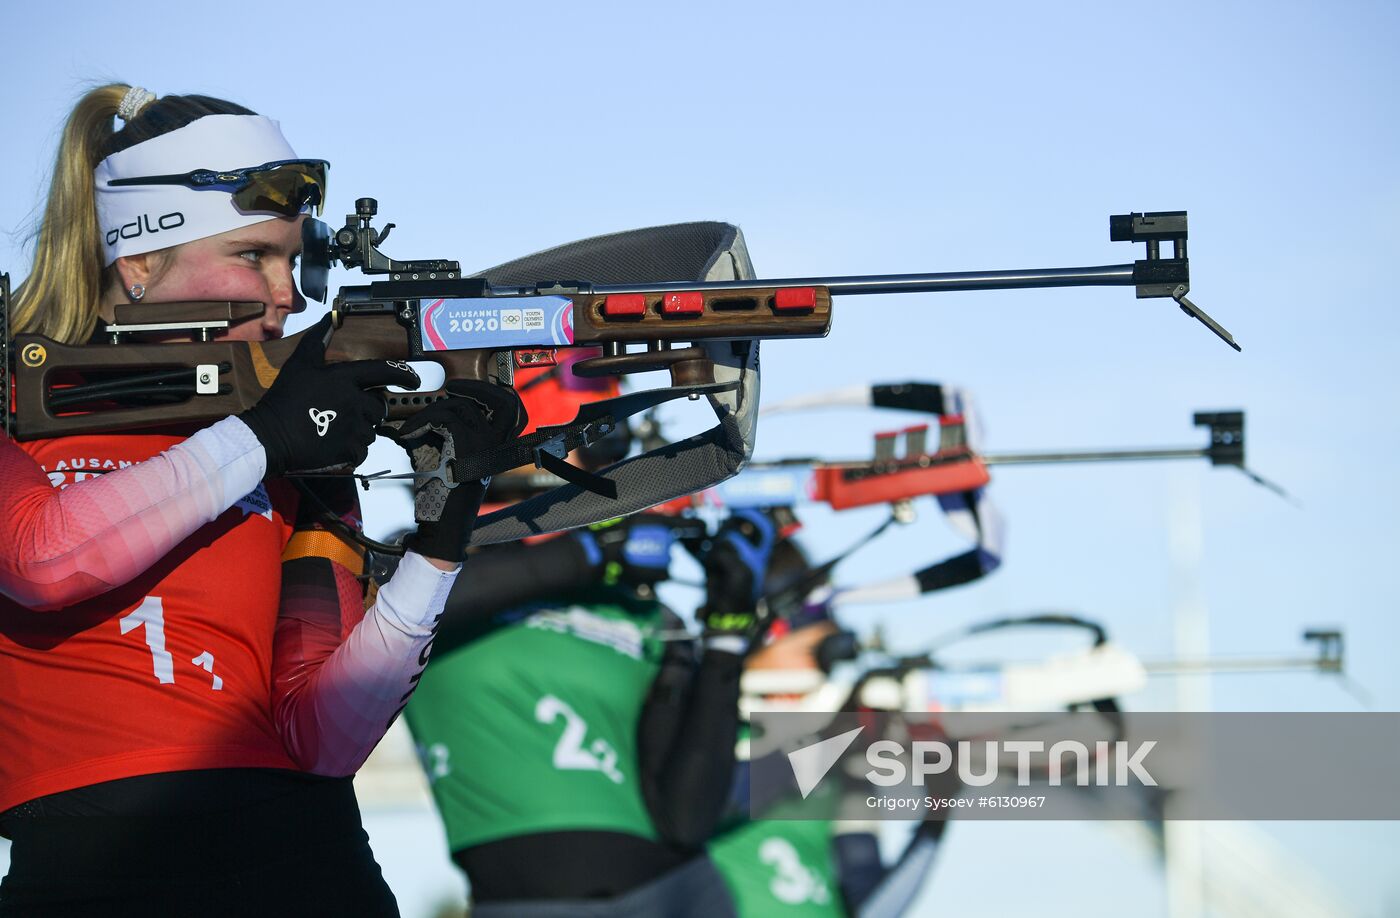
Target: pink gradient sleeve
column 59, row 547
column 340, row 675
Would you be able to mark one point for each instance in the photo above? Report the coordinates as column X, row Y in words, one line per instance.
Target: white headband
column 134, row 219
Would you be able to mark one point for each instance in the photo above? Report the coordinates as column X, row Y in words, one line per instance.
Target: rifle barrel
column 1111, row 455
column 1239, row 665
column 1103, row 276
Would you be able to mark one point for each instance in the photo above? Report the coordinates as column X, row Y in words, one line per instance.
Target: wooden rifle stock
column 236, row 374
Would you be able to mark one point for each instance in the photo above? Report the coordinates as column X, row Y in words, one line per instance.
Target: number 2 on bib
column 570, row 752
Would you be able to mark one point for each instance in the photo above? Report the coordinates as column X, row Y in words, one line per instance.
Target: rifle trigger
column 420, row 479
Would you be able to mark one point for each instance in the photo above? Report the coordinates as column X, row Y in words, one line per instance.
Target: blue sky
column 865, row 138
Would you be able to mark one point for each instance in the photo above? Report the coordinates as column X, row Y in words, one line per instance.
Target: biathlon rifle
column 946, row 464
column 1097, row 673
column 483, row 328
column 1096, row 676
column 955, row 472
column 914, row 461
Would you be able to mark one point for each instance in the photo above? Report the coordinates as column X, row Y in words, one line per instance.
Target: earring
column 136, row 291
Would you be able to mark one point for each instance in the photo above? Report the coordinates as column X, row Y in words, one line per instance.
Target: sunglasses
column 282, row 187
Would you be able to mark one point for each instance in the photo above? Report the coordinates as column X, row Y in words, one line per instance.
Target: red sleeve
column 341, row 673
column 58, row 547
column 321, row 605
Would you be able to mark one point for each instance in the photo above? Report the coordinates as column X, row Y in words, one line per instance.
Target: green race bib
column 780, row 867
column 533, row 728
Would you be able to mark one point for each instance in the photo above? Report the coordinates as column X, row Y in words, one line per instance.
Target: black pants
column 693, row 890
column 231, row 842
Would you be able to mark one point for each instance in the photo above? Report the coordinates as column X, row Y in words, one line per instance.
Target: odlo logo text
column 142, row 225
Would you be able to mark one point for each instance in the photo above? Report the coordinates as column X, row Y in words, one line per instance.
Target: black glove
column 317, row 415
column 478, row 416
column 735, row 563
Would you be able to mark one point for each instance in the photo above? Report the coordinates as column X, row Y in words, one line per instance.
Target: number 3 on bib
column 793, row 883
column 570, row 752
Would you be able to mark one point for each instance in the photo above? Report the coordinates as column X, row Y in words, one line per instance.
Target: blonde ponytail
column 60, row 297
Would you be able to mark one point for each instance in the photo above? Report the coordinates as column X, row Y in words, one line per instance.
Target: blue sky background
column 885, row 137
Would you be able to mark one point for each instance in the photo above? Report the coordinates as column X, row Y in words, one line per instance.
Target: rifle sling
column 579, row 476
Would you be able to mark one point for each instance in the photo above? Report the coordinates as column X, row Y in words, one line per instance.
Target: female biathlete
column 188, row 676
column 580, row 744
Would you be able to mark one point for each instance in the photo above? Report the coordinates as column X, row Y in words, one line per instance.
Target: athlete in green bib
column 780, row 866
column 578, row 740
column 533, row 727
column 808, row 868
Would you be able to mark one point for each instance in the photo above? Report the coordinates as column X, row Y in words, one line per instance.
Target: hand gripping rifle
column 482, row 327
